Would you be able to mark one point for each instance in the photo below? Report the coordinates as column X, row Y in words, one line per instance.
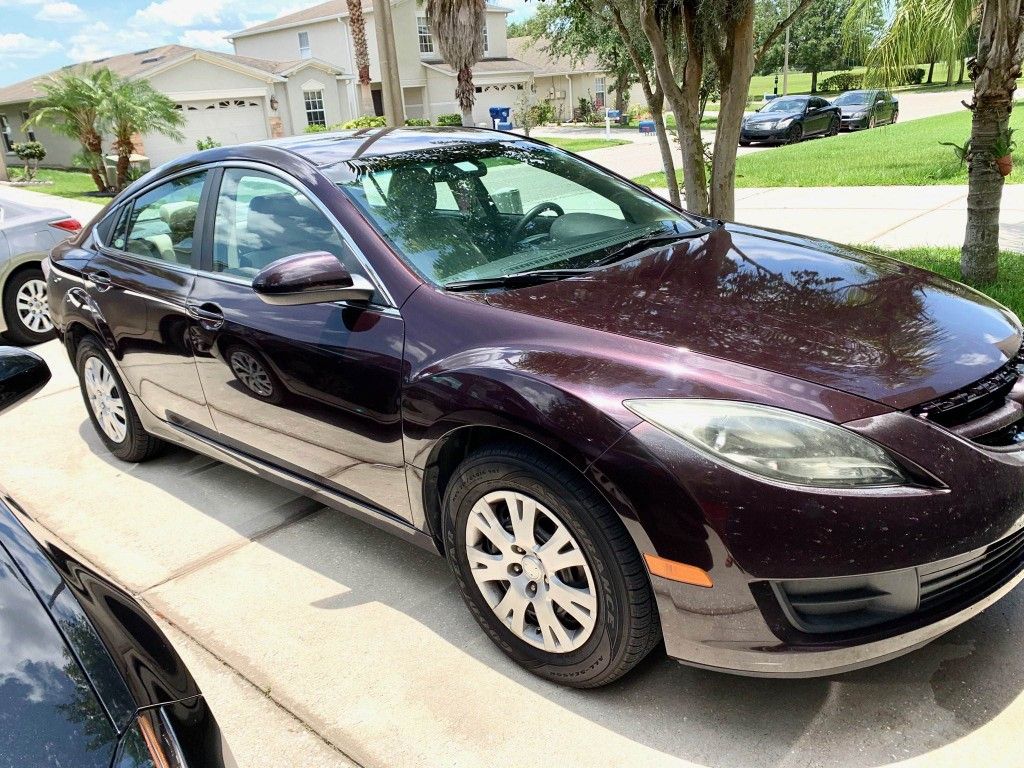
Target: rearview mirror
column 22, row 374
column 309, row 278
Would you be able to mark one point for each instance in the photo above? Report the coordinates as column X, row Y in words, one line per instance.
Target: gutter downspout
column 572, row 108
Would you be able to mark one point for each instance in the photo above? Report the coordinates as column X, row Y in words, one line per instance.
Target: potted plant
column 1002, row 150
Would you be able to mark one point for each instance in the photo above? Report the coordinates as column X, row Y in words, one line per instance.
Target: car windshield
column 489, row 210
column 853, row 97
column 784, row 105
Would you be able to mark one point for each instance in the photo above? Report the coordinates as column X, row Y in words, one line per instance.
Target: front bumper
column 758, row 134
column 854, row 123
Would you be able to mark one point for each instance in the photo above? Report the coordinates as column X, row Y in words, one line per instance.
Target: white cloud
column 98, row 40
column 60, row 12
column 210, row 39
column 18, row 45
column 179, row 13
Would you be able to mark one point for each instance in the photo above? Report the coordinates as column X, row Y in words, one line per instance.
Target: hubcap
column 31, row 306
column 251, row 373
column 531, row 571
column 105, row 399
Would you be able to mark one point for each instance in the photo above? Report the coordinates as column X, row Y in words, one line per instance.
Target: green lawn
column 582, row 145
column 905, row 153
column 74, row 184
column 1007, row 290
column 800, row 82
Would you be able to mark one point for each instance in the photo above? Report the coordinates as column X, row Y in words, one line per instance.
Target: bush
column 316, row 129
column 417, row 121
column 31, row 153
column 207, row 143
column 451, row 118
column 841, row 81
column 910, row 76
column 542, row 112
column 366, row 121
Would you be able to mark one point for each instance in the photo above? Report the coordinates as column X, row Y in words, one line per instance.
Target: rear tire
column 25, row 308
column 611, row 622
column 110, row 408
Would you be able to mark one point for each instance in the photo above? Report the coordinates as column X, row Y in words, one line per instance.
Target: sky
column 37, row 36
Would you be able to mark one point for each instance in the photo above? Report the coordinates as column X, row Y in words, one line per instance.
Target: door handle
column 98, row 277
column 210, row 316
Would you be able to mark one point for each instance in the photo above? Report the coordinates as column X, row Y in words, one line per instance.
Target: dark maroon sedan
column 619, row 422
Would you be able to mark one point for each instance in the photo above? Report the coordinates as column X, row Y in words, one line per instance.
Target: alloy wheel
column 251, row 373
column 531, row 571
column 105, row 399
column 31, row 305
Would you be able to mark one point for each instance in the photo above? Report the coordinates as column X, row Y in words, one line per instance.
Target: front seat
column 438, row 245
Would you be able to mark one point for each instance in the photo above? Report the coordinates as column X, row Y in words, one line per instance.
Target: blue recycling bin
column 500, row 118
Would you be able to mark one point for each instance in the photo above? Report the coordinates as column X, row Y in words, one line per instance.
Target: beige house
column 428, row 84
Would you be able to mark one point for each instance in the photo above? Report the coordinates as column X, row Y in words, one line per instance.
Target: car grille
column 980, row 409
column 998, row 563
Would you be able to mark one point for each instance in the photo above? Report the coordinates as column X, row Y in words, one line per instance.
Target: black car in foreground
column 788, row 119
column 86, row 678
column 867, row 109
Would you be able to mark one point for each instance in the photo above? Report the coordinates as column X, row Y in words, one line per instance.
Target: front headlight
column 774, row 443
column 783, row 122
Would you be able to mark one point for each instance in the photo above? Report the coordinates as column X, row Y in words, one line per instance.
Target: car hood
column 832, row 315
column 761, row 117
column 847, row 109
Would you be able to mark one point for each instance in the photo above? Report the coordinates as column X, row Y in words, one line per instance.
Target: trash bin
column 500, row 118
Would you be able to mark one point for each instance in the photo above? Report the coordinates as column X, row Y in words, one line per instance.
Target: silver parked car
column 26, row 236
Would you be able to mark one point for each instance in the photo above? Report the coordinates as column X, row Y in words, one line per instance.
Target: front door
column 140, row 282
column 314, row 388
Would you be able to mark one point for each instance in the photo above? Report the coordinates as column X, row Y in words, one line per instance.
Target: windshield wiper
column 516, row 279
column 635, row 246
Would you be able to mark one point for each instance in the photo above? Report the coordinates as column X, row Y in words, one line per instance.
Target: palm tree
column 134, row 107
column 357, row 22
column 70, row 106
column 917, row 26
column 457, row 28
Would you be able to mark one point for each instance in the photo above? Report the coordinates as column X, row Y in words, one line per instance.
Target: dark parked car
column 866, row 109
column 86, row 678
column 789, row 119
column 618, row 421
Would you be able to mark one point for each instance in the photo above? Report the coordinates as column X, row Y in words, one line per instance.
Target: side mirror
column 22, row 373
column 309, row 278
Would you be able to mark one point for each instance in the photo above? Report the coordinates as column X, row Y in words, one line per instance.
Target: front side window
column 304, row 50
column 423, row 32
column 5, row 129
column 314, row 101
column 261, row 219
column 161, row 224
column 489, row 210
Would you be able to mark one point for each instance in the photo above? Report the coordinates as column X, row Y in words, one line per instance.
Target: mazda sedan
column 619, row 422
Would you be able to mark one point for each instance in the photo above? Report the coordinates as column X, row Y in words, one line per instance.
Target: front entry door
column 139, row 283
column 314, row 388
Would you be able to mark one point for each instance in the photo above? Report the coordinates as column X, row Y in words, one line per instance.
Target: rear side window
column 161, row 224
column 261, row 219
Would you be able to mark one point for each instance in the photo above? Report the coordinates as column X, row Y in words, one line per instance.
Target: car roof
column 323, row 149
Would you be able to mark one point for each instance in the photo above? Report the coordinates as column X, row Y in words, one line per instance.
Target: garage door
column 229, row 121
column 495, row 95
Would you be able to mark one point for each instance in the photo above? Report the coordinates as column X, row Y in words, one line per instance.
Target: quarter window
column 423, row 31
column 261, row 219
column 314, row 101
column 5, row 129
column 304, row 50
column 162, row 222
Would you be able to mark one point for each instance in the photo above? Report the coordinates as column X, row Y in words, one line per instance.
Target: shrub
column 365, row 121
column 842, row 81
column 31, row 153
column 542, row 112
column 450, row 118
column 910, row 76
column 417, row 121
column 316, row 128
column 207, row 143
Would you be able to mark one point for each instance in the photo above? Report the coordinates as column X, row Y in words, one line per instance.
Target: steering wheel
column 533, row 213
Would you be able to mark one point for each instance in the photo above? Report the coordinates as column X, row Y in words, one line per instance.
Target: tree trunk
column 465, row 94
column 949, row 72
column 391, row 85
column 124, row 153
column 93, row 145
column 995, row 71
column 931, row 71
column 960, row 77
column 814, row 81
column 735, row 71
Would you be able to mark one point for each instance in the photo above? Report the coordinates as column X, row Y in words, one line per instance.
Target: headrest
column 412, row 191
column 181, row 216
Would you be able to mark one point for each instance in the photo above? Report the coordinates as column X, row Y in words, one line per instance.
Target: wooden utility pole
column 3, row 164
column 387, row 55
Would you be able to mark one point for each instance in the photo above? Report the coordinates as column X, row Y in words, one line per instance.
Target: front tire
column 794, row 134
column 110, row 409
column 833, row 127
column 547, row 569
column 25, row 308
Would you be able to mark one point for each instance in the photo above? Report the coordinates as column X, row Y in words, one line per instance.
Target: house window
column 485, row 36
column 315, row 114
column 423, row 30
column 28, row 132
column 5, row 129
column 304, row 50
column 599, row 92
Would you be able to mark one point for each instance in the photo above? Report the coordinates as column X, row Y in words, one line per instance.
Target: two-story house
column 323, row 32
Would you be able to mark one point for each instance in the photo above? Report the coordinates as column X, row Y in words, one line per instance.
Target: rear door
column 139, row 281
